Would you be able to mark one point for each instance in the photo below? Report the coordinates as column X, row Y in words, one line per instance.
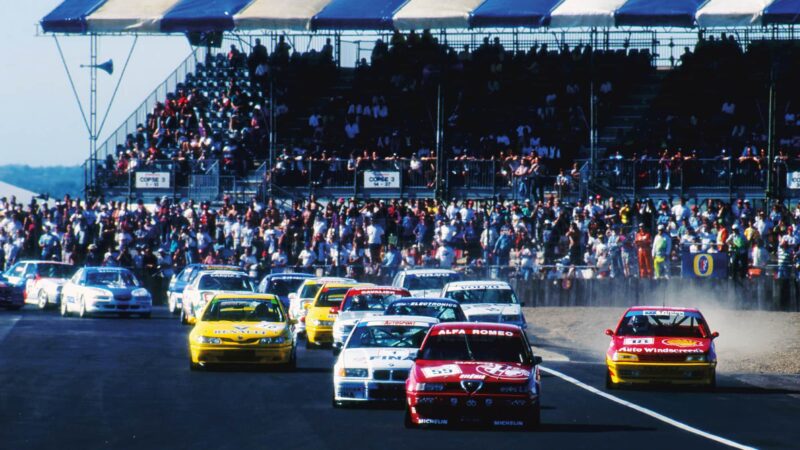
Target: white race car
column 425, row 282
column 487, row 301
column 46, row 279
column 208, row 284
column 376, row 359
column 105, row 290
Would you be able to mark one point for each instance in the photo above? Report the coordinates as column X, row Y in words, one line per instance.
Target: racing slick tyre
column 609, row 384
column 184, row 319
column 173, row 309
column 43, row 301
column 407, row 419
column 194, row 367
column 64, row 310
column 534, row 418
column 712, row 385
column 82, row 310
column 292, row 364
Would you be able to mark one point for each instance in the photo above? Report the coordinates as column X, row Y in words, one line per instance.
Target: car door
column 31, row 270
column 70, row 290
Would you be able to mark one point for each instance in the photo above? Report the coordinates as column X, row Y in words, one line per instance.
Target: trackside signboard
column 380, row 179
column 152, row 180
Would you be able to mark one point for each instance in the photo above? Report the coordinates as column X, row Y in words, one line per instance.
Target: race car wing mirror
column 715, row 335
column 609, row 332
column 537, row 360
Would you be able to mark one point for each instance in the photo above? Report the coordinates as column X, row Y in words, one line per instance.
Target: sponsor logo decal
column 392, row 355
column 472, row 287
column 476, row 331
column 471, row 386
column 502, row 371
column 703, row 265
column 676, row 342
column 659, row 350
column 441, row 371
column 472, row 376
column 638, row 341
column 508, row 423
column 662, row 312
column 433, row 421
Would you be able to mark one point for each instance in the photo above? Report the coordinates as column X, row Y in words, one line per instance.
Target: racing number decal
column 441, row 371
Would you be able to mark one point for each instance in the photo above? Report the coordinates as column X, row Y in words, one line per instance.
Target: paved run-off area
column 125, row 383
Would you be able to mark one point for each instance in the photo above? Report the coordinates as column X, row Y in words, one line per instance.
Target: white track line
column 646, row 411
column 7, row 325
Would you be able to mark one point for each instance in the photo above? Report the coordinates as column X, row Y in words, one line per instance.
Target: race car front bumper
column 241, row 354
column 114, row 306
column 12, row 297
column 699, row 373
column 319, row 335
column 368, row 390
column 456, row 408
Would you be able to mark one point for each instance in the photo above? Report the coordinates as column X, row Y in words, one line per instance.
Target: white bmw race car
column 376, row 359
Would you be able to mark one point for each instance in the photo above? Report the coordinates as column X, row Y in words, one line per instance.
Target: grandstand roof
column 173, row 16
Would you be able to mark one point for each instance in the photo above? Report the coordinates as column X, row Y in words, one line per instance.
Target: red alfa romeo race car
column 654, row 344
column 465, row 373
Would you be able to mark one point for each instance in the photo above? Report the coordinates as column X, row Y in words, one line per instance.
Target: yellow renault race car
column 243, row 329
column 323, row 312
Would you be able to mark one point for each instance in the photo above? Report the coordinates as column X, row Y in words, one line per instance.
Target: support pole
column 439, row 143
column 92, row 107
column 770, row 191
column 271, row 133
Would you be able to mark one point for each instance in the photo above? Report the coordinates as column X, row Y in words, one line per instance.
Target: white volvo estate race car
column 376, row 359
column 487, row 301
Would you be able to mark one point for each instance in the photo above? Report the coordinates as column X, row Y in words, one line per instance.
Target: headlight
column 208, row 340
column 696, row 358
column 272, row 340
column 353, row 373
column 624, row 357
column 430, row 387
column 321, row 323
column 141, row 292
column 100, row 294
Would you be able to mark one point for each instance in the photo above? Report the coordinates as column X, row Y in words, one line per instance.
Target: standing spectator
column 662, row 249
column 643, row 248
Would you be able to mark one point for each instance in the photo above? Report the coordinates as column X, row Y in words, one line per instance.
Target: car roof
column 429, row 271
column 376, row 290
column 343, row 285
column 289, row 275
column 398, row 320
column 662, row 308
column 448, row 301
column 229, row 296
column 221, row 272
column 479, row 284
column 477, row 326
column 324, row 280
column 106, row 269
column 34, row 261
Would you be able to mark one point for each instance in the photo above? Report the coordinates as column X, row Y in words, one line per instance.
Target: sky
column 40, row 123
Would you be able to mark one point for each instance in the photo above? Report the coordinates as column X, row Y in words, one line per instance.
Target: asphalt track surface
column 125, row 383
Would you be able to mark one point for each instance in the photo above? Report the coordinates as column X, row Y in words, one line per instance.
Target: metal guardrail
column 730, row 175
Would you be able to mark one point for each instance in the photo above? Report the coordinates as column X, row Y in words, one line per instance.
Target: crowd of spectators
column 545, row 239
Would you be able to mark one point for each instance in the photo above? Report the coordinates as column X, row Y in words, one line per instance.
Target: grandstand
column 344, row 98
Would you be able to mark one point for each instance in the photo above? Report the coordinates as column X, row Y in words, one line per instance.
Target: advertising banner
column 381, row 179
column 704, row 265
column 152, row 180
